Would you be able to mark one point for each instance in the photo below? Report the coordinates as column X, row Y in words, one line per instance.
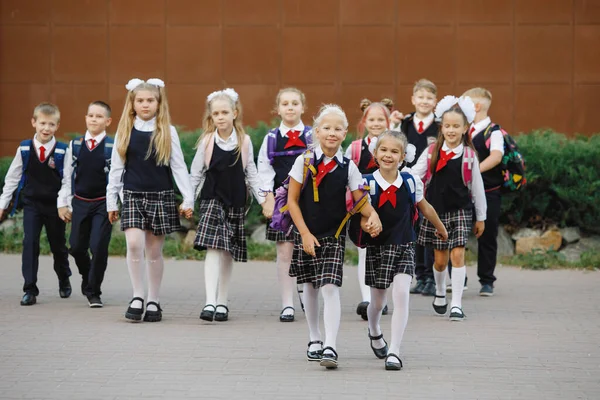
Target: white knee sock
column 365, row 291
column 287, row 283
column 224, row 278
column 400, row 296
column 440, row 286
column 212, row 265
column 332, row 313
column 378, row 298
column 135, row 254
column 458, row 282
column 311, row 309
column 154, row 267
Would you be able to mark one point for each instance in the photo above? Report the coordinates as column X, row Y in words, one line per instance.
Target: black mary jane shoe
column 329, row 361
column 153, row 316
column 392, row 365
column 382, row 352
column 222, row 316
column 287, row 317
column 135, row 314
column 361, row 309
column 208, row 314
column 314, row 355
column 441, row 310
column 28, row 299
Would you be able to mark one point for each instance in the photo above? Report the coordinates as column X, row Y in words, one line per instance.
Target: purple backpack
column 272, row 144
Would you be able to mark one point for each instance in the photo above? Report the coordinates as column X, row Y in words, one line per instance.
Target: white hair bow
column 135, row 82
column 411, row 153
column 232, row 94
column 464, row 102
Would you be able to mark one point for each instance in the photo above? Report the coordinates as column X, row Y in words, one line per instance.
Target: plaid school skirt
column 458, row 224
column 325, row 268
column 150, row 211
column 384, row 262
column 222, row 228
column 277, row 236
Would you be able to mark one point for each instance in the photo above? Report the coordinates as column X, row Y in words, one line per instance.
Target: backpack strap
column 25, row 149
column 245, row 150
column 272, row 144
column 355, row 149
column 60, row 150
column 309, row 158
column 358, row 206
column 410, row 183
column 428, row 170
column 467, row 167
column 209, row 146
column 76, row 149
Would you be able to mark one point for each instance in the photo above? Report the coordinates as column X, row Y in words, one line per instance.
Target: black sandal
column 382, row 352
column 329, row 361
column 135, row 314
column 441, row 310
column 314, row 355
column 287, row 317
column 393, row 366
column 153, row 316
column 219, row 316
column 208, row 315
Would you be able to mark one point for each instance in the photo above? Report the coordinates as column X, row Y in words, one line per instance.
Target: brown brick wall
column 538, row 57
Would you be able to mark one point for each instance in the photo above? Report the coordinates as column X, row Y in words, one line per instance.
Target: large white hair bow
column 135, row 82
column 464, row 102
column 232, row 94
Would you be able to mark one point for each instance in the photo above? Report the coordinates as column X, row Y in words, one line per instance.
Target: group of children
column 420, row 170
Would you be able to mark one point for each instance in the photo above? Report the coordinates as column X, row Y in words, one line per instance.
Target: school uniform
column 323, row 219
column 42, row 184
column 147, row 188
column 366, row 162
column 450, row 198
column 223, row 195
column 84, row 192
column 392, row 252
column 272, row 173
column 492, row 181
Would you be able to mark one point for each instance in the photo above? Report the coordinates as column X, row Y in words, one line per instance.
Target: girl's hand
column 113, row 216
column 188, row 213
column 479, row 228
column 396, row 117
column 64, row 214
column 442, row 234
column 308, row 244
column 268, row 207
column 373, row 225
column 2, row 211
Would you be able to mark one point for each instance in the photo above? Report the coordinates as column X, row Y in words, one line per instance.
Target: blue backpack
column 25, row 147
column 272, row 144
column 76, row 148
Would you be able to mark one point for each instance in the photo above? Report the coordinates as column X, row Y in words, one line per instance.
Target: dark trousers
column 423, row 259
column 35, row 216
column 90, row 232
column 487, row 244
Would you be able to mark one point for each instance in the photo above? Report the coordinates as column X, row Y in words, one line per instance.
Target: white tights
column 218, row 266
column 332, row 313
column 365, row 291
column 286, row 282
column 139, row 241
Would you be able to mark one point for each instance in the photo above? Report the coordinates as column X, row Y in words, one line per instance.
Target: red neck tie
column 420, row 127
column 471, row 131
column 388, row 195
column 42, row 153
column 323, row 169
column 294, row 140
column 92, row 144
column 444, row 158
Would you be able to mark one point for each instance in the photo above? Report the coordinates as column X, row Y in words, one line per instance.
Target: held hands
column 268, row 206
column 187, row 213
column 113, row 216
column 373, row 225
column 443, row 234
column 479, row 228
column 309, row 242
column 65, row 214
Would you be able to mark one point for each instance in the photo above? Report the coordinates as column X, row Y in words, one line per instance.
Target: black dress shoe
column 28, row 299
column 222, row 316
column 135, row 314
column 286, row 317
column 382, row 352
column 314, row 355
column 429, row 288
column 361, row 309
column 329, row 359
column 208, row 314
column 385, row 310
column 391, row 365
column 94, row 301
column 64, row 288
column 153, row 316
column 418, row 288
column 441, row 310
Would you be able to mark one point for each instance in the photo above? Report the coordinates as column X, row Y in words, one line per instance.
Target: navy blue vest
column 324, row 218
column 90, row 177
column 365, row 158
column 419, row 140
column 141, row 174
column 447, row 191
column 492, row 178
column 283, row 164
column 397, row 222
column 43, row 180
column 225, row 179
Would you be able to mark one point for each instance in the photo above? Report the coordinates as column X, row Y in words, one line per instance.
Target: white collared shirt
column 428, row 120
column 176, row 164
column 496, row 139
column 198, row 169
column 354, row 176
column 398, row 183
column 266, row 173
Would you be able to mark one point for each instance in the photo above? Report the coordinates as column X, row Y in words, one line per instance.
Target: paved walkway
column 537, row 338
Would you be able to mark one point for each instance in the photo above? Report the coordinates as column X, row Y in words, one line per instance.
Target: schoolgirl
column 146, row 153
column 221, row 172
column 319, row 213
column 277, row 154
column 454, row 184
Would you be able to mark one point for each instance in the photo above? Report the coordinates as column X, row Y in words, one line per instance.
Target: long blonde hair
column 160, row 142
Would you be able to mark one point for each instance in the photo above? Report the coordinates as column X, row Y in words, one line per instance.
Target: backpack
column 25, row 148
column 76, row 150
column 358, row 236
column 282, row 220
column 272, row 144
column 467, row 167
column 512, row 164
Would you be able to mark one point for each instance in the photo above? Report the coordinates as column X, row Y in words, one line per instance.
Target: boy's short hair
column 481, row 94
column 47, row 109
column 425, row 84
column 103, row 105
